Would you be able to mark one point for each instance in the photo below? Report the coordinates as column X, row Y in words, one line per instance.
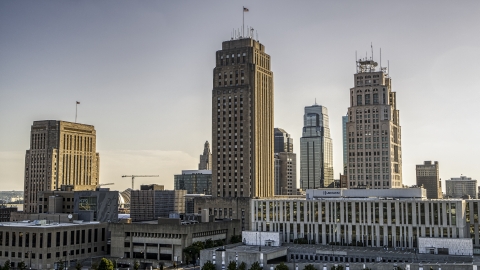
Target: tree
column 255, row 266
column 309, row 267
column 208, row 266
column 242, row 266
column 209, row 243
column 78, row 266
column 281, row 266
column 60, row 265
column 105, row 264
column 235, row 239
column 232, row 266
column 218, row 243
column 136, row 265
column 6, row 265
column 22, row 265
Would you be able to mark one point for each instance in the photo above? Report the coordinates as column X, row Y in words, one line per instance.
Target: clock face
column 70, row 216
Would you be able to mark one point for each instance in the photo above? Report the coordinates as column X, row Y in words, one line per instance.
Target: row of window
column 28, row 239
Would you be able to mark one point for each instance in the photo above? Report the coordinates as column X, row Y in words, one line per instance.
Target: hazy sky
column 142, row 71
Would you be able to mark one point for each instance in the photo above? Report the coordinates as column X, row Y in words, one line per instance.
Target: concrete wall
column 455, row 246
column 239, row 207
column 377, row 266
column 261, row 238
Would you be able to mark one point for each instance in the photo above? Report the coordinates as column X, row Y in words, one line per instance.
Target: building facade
column 61, row 153
column 460, row 187
column 41, row 245
column 242, row 121
column 360, row 221
column 152, row 204
column 226, row 208
column 283, row 141
column 345, row 144
column 373, row 130
column 285, row 173
column 205, row 158
column 428, row 176
column 316, row 149
column 194, row 181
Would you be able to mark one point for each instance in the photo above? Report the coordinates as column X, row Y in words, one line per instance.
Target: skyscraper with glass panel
column 316, row 154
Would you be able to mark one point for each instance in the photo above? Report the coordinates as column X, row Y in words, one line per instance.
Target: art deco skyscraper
column 373, row 130
column 205, row 158
column 316, row 154
column 242, row 121
column 61, row 153
column 285, row 164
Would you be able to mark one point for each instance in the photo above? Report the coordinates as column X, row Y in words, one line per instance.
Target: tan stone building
column 428, row 176
column 61, row 153
column 373, row 130
column 242, row 121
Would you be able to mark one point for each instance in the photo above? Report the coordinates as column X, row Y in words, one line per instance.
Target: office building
column 242, row 121
column 373, row 130
column 61, row 153
column 6, row 211
column 428, row 176
column 461, row 187
column 285, row 164
column 316, row 150
column 41, row 245
column 283, row 141
column 152, row 204
column 205, row 158
column 226, row 208
column 194, row 181
column 345, row 144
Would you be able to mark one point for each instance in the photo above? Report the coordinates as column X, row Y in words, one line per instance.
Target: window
column 359, row 100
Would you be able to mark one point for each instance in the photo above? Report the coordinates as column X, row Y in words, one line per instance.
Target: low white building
column 446, row 246
column 252, row 238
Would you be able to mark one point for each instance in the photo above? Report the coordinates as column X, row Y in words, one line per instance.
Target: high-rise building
column 242, row 121
column 316, row 153
column 373, row 130
column 153, row 203
column 283, row 141
column 61, row 153
column 194, row 181
column 428, row 176
column 345, row 144
column 285, row 164
column 461, row 187
column 205, row 158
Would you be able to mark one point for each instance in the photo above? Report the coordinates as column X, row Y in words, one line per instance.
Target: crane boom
column 133, row 177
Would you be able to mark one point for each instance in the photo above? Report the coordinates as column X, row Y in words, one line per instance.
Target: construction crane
column 133, row 177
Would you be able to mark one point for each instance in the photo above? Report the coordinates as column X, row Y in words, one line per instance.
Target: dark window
column 72, row 237
column 57, row 240
column 49, row 240
column 65, row 238
column 359, row 99
column 77, row 238
column 34, row 239
column 89, row 235
column 103, row 234
column 83, row 236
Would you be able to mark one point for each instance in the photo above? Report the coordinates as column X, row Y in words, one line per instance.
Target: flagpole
column 76, row 105
column 243, row 21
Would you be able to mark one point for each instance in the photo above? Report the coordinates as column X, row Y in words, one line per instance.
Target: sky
column 142, row 71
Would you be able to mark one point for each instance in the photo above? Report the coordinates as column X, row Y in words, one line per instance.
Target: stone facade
column 242, row 121
column 61, row 153
column 152, row 204
column 221, row 208
column 205, row 158
column 445, row 246
column 373, row 130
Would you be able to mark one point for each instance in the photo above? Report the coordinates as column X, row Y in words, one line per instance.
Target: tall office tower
column 61, row 153
column 285, row 164
column 316, row 154
column 345, row 144
column 461, row 187
column 194, row 181
column 242, row 121
column 283, row 141
column 373, row 130
column 428, row 176
column 205, row 158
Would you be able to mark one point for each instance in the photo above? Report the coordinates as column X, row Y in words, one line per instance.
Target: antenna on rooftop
column 356, row 59
column 371, row 46
column 388, row 67
column 380, row 58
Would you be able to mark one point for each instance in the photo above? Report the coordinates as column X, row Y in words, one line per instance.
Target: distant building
column 152, row 204
column 345, row 144
column 5, row 212
column 460, row 187
column 42, row 244
column 61, row 153
column 285, row 164
column 194, row 181
column 428, row 176
column 316, row 150
column 226, row 208
column 205, row 158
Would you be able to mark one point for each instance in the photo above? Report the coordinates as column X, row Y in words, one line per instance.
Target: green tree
column 209, row 243
column 22, row 265
column 309, row 267
column 105, row 264
column 255, row 266
column 136, row 265
column 60, row 265
column 235, row 239
column 208, row 266
column 232, row 266
column 242, row 266
column 78, row 266
column 281, row 266
column 219, row 243
column 6, row 265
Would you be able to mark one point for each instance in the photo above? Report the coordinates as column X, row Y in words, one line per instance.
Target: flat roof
column 50, row 225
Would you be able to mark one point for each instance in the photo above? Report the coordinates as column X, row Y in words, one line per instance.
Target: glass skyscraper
column 316, row 154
